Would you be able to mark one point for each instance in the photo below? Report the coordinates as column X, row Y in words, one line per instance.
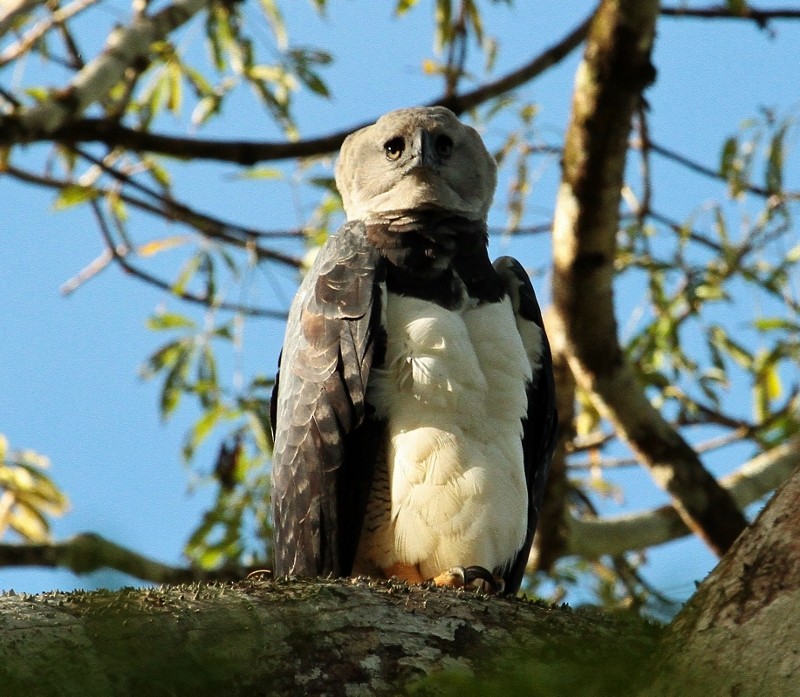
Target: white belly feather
column 453, row 388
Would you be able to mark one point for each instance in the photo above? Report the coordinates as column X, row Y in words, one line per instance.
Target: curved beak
column 423, row 153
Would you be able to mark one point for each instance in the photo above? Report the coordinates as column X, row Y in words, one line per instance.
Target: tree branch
column 119, row 253
column 11, row 9
column 173, row 210
column 125, row 47
column 89, row 552
column 27, row 128
column 740, row 631
column 711, row 173
column 320, row 637
column 591, row 538
column 615, row 69
column 760, row 17
column 36, row 32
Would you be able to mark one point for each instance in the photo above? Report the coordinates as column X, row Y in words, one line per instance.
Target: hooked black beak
column 423, row 153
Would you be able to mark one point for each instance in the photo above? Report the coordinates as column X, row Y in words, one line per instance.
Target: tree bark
column 305, row 638
column 615, row 70
column 740, row 633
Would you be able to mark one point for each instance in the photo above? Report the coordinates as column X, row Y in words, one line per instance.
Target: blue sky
column 69, row 387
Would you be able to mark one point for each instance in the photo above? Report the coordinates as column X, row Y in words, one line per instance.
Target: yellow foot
column 472, row 578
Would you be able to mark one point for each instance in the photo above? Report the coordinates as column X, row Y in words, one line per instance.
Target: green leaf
column 28, row 523
column 475, row 18
column 175, row 382
column 207, row 385
column 442, row 16
column 275, row 19
column 260, row 173
column 404, row 6
column 767, row 324
column 174, row 87
column 187, row 273
column 315, row 83
column 169, row 320
column 775, row 160
column 201, row 429
column 223, row 332
column 736, row 7
column 164, row 357
column 158, row 173
column 206, row 108
column 207, row 268
column 73, row 194
column 711, row 291
column 719, row 337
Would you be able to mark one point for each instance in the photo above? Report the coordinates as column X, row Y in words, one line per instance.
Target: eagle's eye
column 394, row 148
column 443, row 145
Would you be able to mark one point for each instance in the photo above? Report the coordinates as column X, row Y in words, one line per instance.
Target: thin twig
column 120, row 253
column 760, row 17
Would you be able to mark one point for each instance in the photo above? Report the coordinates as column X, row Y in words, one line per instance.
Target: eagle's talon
column 475, row 578
column 481, row 579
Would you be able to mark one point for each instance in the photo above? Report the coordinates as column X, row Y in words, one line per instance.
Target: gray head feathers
column 410, row 160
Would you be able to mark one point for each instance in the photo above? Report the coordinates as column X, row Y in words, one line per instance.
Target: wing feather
column 539, row 428
column 321, row 465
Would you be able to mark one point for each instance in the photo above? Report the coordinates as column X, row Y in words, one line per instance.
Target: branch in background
column 760, row 17
column 125, row 47
column 614, row 535
column 26, row 127
column 552, row 531
column 119, row 254
column 615, row 69
column 712, row 173
column 547, row 59
column 10, row 10
column 172, row 210
column 35, row 33
column 89, row 552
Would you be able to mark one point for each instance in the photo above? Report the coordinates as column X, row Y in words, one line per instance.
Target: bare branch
column 760, row 17
column 615, row 70
column 547, row 59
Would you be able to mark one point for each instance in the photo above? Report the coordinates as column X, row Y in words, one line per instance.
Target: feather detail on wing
column 324, row 440
column 539, row 428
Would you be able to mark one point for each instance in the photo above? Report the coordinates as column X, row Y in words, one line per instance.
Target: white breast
column 453, row 390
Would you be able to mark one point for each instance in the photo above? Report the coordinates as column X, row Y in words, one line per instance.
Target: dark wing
column 539, row 428
column 325, row 443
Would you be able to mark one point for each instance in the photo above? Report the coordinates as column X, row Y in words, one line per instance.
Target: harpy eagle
column 413, row 413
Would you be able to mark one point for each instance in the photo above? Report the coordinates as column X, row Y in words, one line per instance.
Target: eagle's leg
column 405, row 572
column 472, row 578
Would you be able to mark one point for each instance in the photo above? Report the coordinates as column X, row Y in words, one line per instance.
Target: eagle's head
column 414, row 160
